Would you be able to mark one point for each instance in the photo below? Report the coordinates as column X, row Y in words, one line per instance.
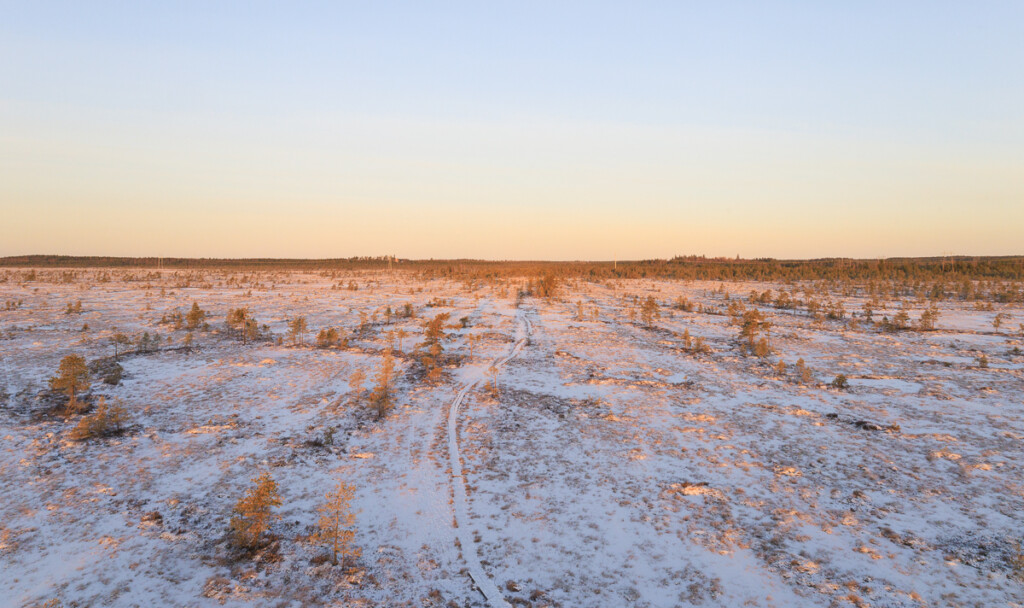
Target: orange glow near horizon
column 556, row 192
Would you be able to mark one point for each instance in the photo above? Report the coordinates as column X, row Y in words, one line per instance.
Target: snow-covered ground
column 611, row 467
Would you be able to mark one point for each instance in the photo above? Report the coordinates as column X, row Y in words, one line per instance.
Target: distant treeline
column 689, row 267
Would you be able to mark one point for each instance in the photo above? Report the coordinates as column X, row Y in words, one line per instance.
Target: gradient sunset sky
column 540, row 130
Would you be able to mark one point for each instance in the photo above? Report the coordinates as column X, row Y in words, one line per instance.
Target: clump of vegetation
column 649, row 311
column 174, row 319
column 328, row 337
column 335, row 527
column 297, row 330
column 241, row 322
column 104, row 421
column 545, row 286
column 147, row 343
column 107, row 369
column 72, row 378
column 253, row 513
column 74, row 309
column 683, row 304
column 840, row 382
column 803, row 372
column 899, row 322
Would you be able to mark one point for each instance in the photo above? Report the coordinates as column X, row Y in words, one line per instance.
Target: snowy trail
column 465, row 536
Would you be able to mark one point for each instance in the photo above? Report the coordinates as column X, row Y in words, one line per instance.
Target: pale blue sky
column 512, row 130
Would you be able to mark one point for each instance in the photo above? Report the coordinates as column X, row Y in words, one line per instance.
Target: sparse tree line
column 754, row 324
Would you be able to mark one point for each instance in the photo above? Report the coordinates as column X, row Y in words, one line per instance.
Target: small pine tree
column 382, row 396
column 492, row 386
column 195, row 316
column 336, row 520
column 433, row 335
column 252, row 513
column 355, row 382
column 118, row 340
column 900, row 321
column 72, row 378
column 928, row 318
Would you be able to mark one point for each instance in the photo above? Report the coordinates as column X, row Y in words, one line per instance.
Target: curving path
column 465, row 536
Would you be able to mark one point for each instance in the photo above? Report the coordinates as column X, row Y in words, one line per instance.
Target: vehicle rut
column 463, row 533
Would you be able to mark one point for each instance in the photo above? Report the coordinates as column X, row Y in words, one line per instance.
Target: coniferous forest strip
column 680, row 267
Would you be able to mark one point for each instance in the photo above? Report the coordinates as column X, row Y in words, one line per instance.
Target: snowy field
column 611, row 465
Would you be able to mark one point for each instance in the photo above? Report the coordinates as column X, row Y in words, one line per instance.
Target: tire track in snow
column 462, row 532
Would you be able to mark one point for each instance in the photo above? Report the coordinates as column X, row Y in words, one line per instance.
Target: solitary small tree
column 473, row 340
column 72, row 378
column 336, row 520
column 355, row 382
column 195, row 316
column 492, row 386
column 433, row 334
column 252, row 513
column 382, row 396
column 118, row 340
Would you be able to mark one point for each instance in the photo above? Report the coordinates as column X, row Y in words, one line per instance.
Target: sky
column 512, row 130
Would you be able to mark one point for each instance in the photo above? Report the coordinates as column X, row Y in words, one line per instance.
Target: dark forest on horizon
column 680, row 267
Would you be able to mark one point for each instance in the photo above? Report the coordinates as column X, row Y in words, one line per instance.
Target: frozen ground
column 611, row 467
